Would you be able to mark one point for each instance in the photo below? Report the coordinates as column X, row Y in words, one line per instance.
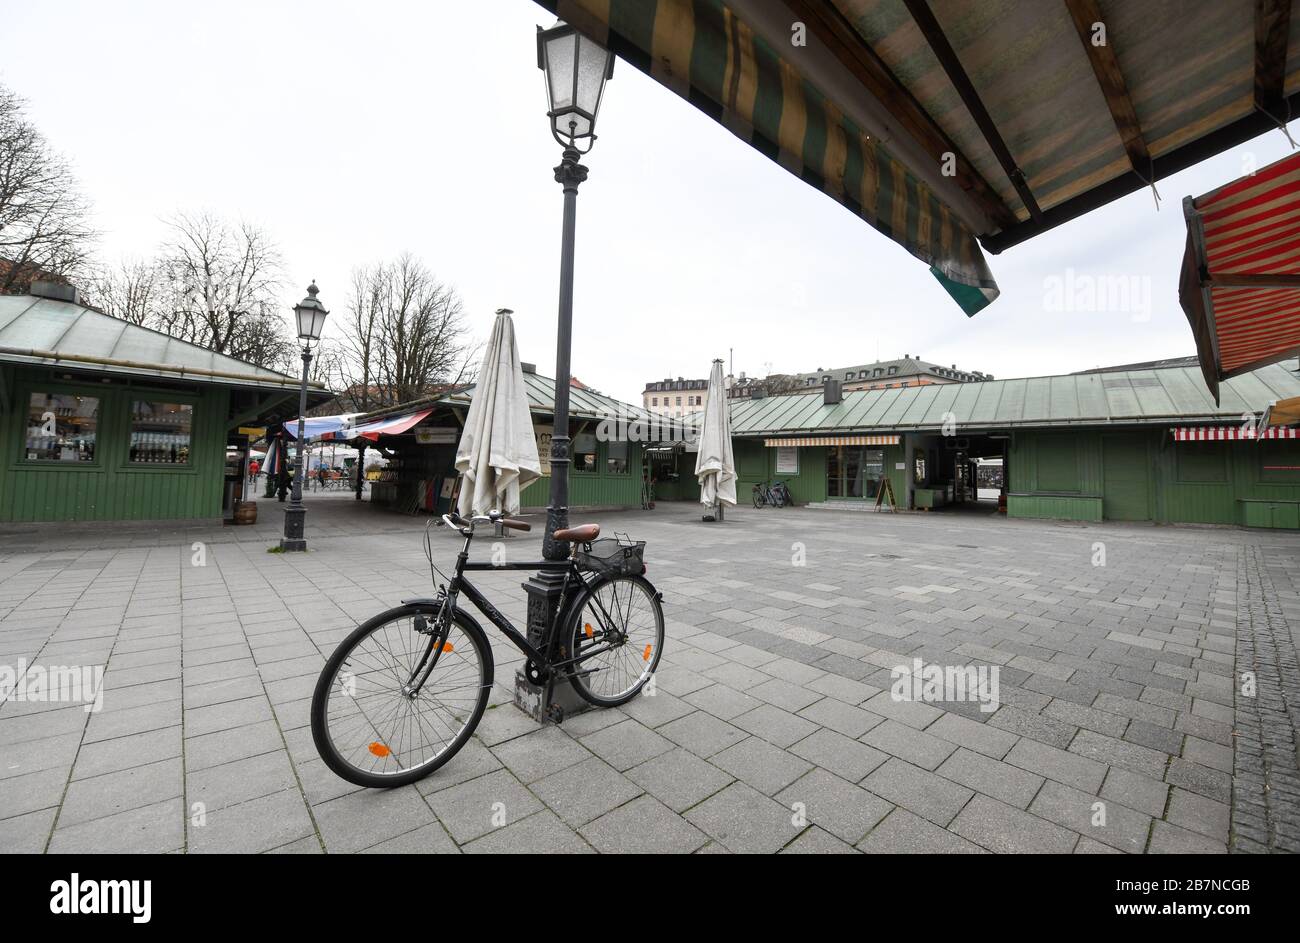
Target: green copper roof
column 1130, row 397
column 42, row 331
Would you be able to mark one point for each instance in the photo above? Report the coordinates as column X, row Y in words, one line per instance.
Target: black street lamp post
column 576, row 70
column 310, row 314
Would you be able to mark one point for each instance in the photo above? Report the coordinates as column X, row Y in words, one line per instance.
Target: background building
column 908, row 370
column 676, row 398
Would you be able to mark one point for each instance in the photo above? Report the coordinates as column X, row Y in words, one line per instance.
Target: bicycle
column 404, row 691
column 775, row 495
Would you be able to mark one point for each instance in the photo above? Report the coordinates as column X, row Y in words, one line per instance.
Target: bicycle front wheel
column 380, row 716
column 617, row 635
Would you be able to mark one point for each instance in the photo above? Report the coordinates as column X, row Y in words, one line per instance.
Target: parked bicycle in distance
column 776, row 495
column 405, row 690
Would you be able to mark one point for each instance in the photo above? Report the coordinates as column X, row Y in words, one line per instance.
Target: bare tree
column 774, row 384
column 44, row 219
column 133, row 291
column 223, row 283
column 404, row 335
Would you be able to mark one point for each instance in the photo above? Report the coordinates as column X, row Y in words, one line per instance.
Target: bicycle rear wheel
column 617, row 633
column 371, row 731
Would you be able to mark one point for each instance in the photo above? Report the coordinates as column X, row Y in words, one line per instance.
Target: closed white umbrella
column 715, row 464
column 497, row 454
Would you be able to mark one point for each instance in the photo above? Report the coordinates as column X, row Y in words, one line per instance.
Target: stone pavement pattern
column 772, row 727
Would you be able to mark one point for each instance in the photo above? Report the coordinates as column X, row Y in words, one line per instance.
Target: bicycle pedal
column 555, row 714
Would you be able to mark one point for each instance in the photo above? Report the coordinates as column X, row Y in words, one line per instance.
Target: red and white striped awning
column 1231, row 433
column 389, row 425
column 834, row 440
column 1240, row 283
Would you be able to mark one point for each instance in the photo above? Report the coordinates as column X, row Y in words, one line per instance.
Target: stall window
column 1201, row 462
column 1058, row 464
column 61, row 427
column 584, row 452
column 616, row 458
column 1279, row 461
column 160, row 432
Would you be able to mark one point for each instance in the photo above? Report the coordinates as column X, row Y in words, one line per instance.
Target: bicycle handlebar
column 452, row 519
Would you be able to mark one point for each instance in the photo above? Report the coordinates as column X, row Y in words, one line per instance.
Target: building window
column 875, row 372
column 160, row 432
column 679, row 401
column 61, row 427
column 654, row 401
column 616, row 458
column 892, row 371
column 584, row 452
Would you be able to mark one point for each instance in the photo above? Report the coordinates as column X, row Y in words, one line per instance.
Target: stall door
column 1126, row 489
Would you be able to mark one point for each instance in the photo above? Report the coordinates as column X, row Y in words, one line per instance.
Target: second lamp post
column 310, row 314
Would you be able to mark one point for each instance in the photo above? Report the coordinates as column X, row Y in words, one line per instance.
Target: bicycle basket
column 610, row 556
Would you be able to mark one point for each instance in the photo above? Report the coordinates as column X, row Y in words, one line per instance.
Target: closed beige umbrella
column 715, row 463
column 497, row 454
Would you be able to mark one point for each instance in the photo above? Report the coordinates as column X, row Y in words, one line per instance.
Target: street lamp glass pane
column 592, row 64
column 581, row 127
column 559, row 70
column 311, row 321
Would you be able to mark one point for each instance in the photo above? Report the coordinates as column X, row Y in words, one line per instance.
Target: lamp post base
column 293, row 540
column 554, row 699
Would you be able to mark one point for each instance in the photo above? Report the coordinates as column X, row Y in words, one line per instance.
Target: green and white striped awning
column 704, row 52
column 941, row 123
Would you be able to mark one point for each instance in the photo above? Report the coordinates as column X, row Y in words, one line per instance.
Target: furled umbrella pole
column 497, row 455
column 715, row 464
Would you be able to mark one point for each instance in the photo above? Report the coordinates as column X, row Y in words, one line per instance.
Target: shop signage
column 435, row 435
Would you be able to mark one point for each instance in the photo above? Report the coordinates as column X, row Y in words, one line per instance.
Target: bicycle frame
column 573, row 578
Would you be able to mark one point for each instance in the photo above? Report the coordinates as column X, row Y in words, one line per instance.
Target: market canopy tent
column 948, row 125
column 389, row 425
column 1240, row 280
column 1283, row 412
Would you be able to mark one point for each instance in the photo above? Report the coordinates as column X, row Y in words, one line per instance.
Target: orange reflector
column 646, row 655
column 378, row 749
column 448, row 647
column 590, row 631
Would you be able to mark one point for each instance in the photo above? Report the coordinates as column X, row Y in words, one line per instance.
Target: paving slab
column 775, row 701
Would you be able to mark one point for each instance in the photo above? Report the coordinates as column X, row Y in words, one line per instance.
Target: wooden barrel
column 245, row 512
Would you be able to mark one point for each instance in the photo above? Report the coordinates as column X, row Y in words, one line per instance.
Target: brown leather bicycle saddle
column 583, row 533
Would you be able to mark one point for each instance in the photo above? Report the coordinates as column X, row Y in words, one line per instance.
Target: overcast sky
column 353, row 132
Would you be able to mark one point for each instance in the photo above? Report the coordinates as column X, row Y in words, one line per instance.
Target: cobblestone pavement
column 773, row 727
